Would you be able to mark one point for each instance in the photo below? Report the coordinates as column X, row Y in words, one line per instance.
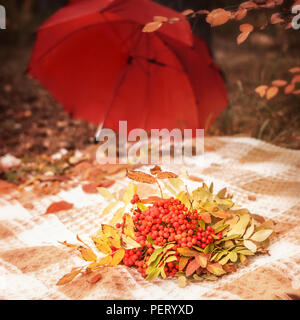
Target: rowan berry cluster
column 167, row 220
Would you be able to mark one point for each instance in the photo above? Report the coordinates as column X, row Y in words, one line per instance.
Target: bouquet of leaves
column 193, row 236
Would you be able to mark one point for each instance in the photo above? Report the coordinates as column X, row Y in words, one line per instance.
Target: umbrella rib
column 67, row 37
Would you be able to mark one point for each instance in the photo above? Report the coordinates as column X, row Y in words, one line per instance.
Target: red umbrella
column 94, row 58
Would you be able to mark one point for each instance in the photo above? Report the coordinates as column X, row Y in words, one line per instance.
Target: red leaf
column 59, row 206
column 192, row 267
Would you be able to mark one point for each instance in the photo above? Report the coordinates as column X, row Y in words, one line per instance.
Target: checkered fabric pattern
column 32, row 260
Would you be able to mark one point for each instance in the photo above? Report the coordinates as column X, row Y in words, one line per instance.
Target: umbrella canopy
column 94, row 58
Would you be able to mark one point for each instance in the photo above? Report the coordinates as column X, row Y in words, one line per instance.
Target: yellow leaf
column 129, row 243
column 240, row 227
column 130, row 192
column 129, row 226
column 117, row 216
column 117, row 257
column 87, row 254
column 113, row 234
column 103, row 244
column 105, row 193
column 105, row 261
column 261, row 235
column 215, row 268
column 109, row 208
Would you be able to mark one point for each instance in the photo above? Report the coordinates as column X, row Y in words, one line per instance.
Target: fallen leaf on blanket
column 6, row 188
column 92, row 187
column 251, row 198
column 95, row 278
column 69, row 277
column 59, row 206
column 195, row 178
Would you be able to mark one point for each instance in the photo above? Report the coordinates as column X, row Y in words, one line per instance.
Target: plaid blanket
column 262, row 177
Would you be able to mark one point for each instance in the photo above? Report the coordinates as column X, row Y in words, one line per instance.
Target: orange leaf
column 92, row 187
column 140, row 177
column 271, row 92
column 152, row 26
column 279, row 83
column 218, row 17
column 182, row 263
column 59, row 206
column 296, row 79
column 276, row 18
column 221, row 214
column 68, row 277
column 229, row 267
column 242, row 37
column 296, row 92
column 95, row 278
column 166, row 175
column 246, row 27
column 289, row 88
column 203, row 12
column 187, row 12
column 197, row 179
column 205, row 217
column 240, row 14
column 294, row 70
column 248, row 5
column 261, row 90
column 155, row 170
column 192, row 267
column 160, row 19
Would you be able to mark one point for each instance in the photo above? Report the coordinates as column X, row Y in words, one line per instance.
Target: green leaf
column 261, row 235
column 153, row 274
column 154, row 255
column 225, row 259
column 170, row 259
column 105, row 193
column 221, row 228
column 202, row 224
column 246, row 252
